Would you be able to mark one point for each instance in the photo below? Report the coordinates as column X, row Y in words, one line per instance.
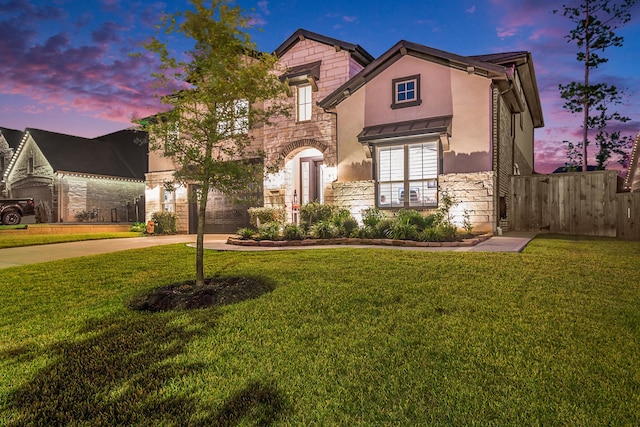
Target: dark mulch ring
column 187, row 296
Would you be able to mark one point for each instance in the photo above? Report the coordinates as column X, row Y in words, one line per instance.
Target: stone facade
column 354, row 195
column 474, row 193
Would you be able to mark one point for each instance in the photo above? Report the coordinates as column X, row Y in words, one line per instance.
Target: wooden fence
column 574, row 203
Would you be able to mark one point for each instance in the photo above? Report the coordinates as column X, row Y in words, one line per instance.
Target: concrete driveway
column 11, row 257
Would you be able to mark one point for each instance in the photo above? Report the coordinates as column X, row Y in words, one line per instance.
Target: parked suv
column 12, row 210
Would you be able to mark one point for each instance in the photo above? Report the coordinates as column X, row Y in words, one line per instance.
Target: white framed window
column 407, row 175
column 168, row 200
column 234, row 121
column 304, row 103
column 406, row 92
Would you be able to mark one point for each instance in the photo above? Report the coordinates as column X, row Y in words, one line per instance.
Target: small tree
column 225, row 91
column 596, row 22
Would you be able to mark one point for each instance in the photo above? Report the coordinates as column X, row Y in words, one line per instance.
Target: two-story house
column 394, row 132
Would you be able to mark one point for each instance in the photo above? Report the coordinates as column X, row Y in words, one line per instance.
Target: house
column 99, row 179
column 423, row 122
column 9, row 141
column 302, row 146
column 632, row 181
column 399, row 131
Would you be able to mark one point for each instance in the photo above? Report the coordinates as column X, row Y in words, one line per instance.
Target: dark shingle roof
column 12, row 136
column 357, row 52
column 111, row 155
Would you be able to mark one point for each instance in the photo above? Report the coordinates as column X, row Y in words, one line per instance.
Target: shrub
column 439, row 233
column 412, row 217
column 269, row 231
column 262, row 215
column 324, row 230
column 43, row 212
column 403, row 231
column 466, row 222
column 246, row 233
column 372, row 216
column 292, row 232
column 138, row 227
column 165, row 222
column 349, row 227
column 383, row 228
column 314, row 212
column 366, row 232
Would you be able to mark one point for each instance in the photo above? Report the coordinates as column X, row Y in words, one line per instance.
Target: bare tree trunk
column 202, row 210
column 585, row 124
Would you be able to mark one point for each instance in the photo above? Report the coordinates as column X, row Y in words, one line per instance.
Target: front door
column 310, row 179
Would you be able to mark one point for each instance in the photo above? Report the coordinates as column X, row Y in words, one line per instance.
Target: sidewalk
column 11, row 257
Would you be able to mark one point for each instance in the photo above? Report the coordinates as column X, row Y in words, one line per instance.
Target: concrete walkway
column 11, row 257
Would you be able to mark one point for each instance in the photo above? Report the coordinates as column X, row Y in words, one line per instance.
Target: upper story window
column 304, row 103
column 406, row 92
column 1, row 166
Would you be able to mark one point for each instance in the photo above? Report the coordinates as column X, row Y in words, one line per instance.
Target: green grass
column 348, row 337
column 15, row 240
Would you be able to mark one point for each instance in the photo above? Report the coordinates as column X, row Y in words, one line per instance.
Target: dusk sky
column 65, row 64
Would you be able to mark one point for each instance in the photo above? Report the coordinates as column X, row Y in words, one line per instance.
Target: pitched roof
column 357, row 52
column 12, row 136
column 495, row 66
column 115, row 154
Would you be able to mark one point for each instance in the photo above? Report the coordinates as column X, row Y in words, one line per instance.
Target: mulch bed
column 216, row 291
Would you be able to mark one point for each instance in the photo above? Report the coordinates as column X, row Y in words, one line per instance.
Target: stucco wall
column 354, row 161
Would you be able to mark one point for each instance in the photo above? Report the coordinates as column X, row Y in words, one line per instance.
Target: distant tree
column 594, row 32
column 225, row 84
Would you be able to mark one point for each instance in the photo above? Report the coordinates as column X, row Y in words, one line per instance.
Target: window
column 407, row 175
column 168, row 200
column 1, row 166
column 234, row 121
column 406, row 92
column 304, row 103
column 30, row 165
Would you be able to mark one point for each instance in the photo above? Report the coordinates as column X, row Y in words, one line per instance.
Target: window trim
column 407, row 181
column 395, row 104
column 299, row 104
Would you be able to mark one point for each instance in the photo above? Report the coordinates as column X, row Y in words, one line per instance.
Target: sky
column 66, row 65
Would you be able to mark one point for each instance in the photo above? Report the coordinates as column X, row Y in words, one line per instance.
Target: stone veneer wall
column 153, row 202
column 286, row 135
column 354, row 195
column 475, row 192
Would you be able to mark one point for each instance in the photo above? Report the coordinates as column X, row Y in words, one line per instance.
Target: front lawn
column 347, row 337
column 15, row 240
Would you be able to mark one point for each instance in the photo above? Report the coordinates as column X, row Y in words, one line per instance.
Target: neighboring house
column 395, row 132
column 99, row 179
column 632, row 181
column 9, row 141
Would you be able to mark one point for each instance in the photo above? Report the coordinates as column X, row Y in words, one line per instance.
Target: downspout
column 60, row 184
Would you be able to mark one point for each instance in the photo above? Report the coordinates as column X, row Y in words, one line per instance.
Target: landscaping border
column 356, row 241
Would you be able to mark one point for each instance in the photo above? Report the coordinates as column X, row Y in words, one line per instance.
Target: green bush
column 349, row 227
column 138, row 227
column 372, row 216
column 269, row 231
column 383, row 228
column 246, row 233
column 440, row 233
column 314, row 212
column 292, row 232
column 265, row 215
column 403, row 231
column 324, row 230
column 165, row 222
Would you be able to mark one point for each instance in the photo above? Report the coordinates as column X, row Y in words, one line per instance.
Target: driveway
column 11, row 257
